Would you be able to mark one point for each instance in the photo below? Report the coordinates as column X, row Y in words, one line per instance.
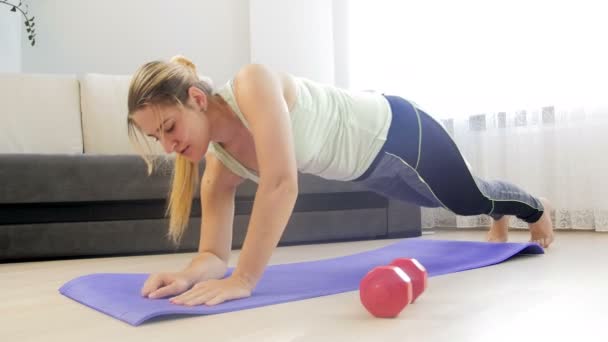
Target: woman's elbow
column 284, row 187
column 288, row 187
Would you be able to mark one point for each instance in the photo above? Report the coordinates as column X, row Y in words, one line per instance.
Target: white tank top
column 337, row 133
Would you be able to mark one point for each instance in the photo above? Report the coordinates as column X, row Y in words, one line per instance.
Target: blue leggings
column 421, row 164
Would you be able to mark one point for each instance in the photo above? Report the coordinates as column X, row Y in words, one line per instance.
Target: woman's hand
column 161, row 285
column 204, row 266
column 212, row 292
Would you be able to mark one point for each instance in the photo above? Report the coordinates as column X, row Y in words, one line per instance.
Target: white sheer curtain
column 554, row 152
column 521, row 85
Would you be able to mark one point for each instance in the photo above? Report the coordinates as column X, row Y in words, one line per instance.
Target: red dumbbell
column 417, row 274
column 386, row 290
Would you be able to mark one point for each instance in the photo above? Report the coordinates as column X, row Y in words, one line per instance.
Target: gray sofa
column 97, row 200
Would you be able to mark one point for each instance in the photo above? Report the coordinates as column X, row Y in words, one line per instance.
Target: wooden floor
column 562, row 295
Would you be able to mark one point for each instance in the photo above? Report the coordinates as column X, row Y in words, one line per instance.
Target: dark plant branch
column 29, row 21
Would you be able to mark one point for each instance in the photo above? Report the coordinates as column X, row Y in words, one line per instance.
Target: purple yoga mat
column 118, row 295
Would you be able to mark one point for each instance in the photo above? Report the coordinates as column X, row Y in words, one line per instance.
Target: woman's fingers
column 217, row 299
column 198, row 294
column 152, row 284
column 163, row 284
column 169, row 290
column 211, row 292
column 203, row 297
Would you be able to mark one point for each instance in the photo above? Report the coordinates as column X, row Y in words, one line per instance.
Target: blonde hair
column 160, row 84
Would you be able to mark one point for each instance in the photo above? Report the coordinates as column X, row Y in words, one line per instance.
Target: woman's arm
column 218, row 189
column 259, row 94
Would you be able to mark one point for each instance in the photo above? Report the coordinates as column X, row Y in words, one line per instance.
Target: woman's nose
column 168, row 145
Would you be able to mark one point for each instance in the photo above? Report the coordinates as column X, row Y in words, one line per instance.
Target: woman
column 267, row 126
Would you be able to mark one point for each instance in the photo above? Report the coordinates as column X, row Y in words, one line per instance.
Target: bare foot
column 499, row 230
column 541, row 231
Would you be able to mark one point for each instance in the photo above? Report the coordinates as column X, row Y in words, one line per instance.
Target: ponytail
column 183, row 185
column 184, row 179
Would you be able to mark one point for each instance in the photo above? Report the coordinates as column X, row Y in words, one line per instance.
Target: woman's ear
column 199, row 98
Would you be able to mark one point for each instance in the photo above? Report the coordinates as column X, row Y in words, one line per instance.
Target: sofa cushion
column 40, row 114
column 37, row 178
column 104, row 114
column 32, row 178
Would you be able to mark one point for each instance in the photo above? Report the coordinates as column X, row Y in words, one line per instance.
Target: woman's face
column 183, row 130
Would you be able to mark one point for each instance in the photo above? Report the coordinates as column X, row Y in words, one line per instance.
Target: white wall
column 304, row 37
column 115, row 37
column 295, row 36
column 10, row 40
column 341, row 43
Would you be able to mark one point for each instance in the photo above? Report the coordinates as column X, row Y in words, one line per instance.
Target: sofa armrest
column 404, row 219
